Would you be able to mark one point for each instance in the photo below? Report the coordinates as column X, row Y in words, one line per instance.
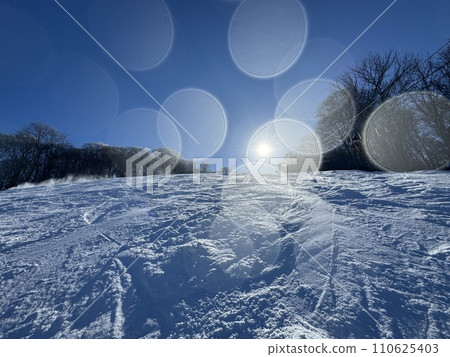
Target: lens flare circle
column 286, row 138
column 409, row 133
column 203, row 118
column 266, row 37
column 138, row 33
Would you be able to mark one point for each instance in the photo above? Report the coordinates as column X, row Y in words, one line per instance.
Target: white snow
column 346, row 254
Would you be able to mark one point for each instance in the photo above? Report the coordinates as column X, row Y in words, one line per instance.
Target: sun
column 264, row 150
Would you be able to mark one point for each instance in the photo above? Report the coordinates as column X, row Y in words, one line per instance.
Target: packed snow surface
column 339, row 255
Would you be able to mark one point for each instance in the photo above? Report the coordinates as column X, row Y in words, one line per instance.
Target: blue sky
column 197, row 58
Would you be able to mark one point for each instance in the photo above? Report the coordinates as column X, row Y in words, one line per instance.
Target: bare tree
column 40, row 142
column 413, row 132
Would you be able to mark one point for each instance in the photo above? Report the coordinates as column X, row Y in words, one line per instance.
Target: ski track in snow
column 347, row 254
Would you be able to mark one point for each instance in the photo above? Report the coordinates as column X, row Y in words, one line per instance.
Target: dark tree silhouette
column 411, row 133
column 39, row 152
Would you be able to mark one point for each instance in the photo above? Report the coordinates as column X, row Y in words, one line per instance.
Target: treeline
column 415, row 132
column 38, row 153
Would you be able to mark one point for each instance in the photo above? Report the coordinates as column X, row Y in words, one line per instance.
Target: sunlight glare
column 264, row 150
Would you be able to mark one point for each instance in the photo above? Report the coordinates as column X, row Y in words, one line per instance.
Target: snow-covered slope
column 346, row 254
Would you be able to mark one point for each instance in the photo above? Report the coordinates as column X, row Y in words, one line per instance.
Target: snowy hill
column 347, row 254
